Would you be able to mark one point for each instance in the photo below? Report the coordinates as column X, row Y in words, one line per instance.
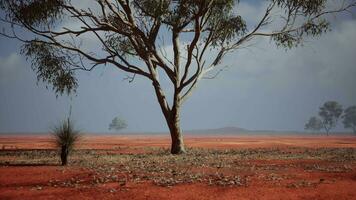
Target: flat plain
column 215, row 167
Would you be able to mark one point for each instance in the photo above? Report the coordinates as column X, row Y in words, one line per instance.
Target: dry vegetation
column 225, row 168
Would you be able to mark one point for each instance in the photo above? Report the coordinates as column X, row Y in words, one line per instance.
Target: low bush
column 66, row 136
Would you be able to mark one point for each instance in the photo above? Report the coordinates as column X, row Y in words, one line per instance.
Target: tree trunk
column 64, row 155
column 177, row 146
column 172, row 118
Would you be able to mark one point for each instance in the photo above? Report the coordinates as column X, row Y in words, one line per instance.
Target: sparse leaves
column 34, row 12
column 153, row 8
column 226, row 28
column 121, row 45
column 308, row 7
column 315, row 28
column 50, row 66
column 289, row 39
column 286, row 40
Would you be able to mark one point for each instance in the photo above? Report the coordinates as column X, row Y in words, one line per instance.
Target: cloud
column 10, row 66
column 251, row 11
column 266, row 87
column 325, row 58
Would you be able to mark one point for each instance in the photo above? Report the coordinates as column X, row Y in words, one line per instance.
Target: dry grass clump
column 66, row 136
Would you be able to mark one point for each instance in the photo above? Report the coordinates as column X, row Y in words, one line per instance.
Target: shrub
column 65, row 138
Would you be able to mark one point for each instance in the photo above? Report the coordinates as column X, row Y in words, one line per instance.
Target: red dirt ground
column 110, row 142
column 26, row 182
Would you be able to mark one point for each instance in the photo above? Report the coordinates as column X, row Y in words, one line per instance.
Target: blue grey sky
column 262, row 87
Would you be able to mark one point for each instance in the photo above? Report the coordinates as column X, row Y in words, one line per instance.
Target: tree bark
column 64, row 155
column 177, row 146
column 172, row 117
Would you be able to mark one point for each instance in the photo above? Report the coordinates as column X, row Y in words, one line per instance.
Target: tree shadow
column 29, row 164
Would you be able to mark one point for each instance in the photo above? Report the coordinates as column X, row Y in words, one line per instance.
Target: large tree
column 135, row 34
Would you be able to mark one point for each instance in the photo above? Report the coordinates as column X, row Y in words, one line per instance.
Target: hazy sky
column 263, row 87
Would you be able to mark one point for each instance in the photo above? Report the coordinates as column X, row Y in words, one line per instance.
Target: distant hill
column 241, row 131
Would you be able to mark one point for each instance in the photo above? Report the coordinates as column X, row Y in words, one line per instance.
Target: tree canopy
column 330, row 113
column 314, row 124
column 117, row 124
column 133, row 28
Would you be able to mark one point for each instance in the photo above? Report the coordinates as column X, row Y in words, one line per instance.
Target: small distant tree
column 117, row 124
column 65, row 138
column 330, row 113
column 349, row 118
column 314, row 124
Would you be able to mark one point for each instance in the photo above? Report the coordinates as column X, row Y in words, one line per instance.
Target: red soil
column 29, row 182
column 114, row 142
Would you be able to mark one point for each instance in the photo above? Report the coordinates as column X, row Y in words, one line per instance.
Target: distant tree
column 117, row 124
column 134, row 36
column 330, row 113
column 349, row 118
column 314, row 124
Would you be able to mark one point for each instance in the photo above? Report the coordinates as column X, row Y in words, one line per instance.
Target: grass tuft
column 66, row 136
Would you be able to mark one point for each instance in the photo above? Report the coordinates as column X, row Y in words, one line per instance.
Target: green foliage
column 226, row 26
column 313, row 26
column 308, row 7
column 286, row 40
column 50, row 66
column 290, row 39
column 118, row 124
column 349, row 118
column 313, row 124
column 120, row 44
column 179, row 14
column 66, row 136
column 33, row 12
column 153, row 8
column 330, row 112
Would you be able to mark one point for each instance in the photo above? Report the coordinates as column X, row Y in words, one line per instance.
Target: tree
column 133, row 35
column 314, row 124
column 117, row 124
column 330, row 113
column 349, row 118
